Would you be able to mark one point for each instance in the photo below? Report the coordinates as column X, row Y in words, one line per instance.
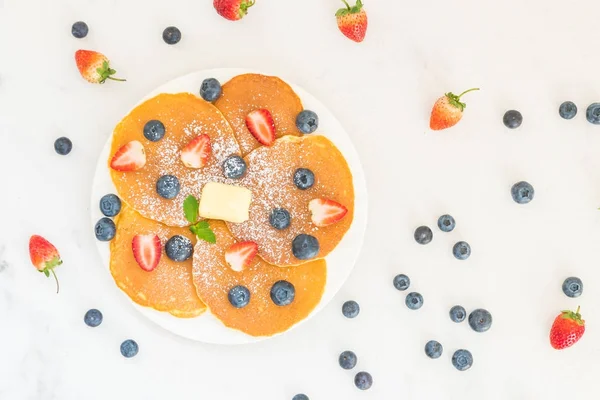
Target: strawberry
column 567, row 329
column 240, row 255
column 352, row 21
column 326, row 212
column 147, row 250
column 232, row 9
column 447, row 111
column 44, row 256
column 261, row 125
column 130, row 157
column 195, row 154
column 94, row 67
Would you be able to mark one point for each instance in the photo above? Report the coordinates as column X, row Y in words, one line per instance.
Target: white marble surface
column 525, row 55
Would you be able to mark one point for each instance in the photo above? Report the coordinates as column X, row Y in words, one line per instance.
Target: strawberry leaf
column 46, row 272
column 190, row 209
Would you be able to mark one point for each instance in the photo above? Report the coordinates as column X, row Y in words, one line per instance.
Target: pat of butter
column 225, row 202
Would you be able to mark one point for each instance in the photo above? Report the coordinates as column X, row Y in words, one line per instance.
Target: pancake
column 167, row 288
column 213, row 279
column 270, row 177
column 246, row 93
column 185, row 117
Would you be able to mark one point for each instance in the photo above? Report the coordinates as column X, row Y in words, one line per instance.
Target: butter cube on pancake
column 225, row 202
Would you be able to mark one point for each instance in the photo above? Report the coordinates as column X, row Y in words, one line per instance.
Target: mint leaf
column 190, row 209
column 203, row 224
column 203, row 232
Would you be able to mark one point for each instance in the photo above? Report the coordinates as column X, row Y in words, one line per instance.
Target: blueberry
column 462, row 359
column 414, row 301
column 461, row 250
column 154, row 130
column 567, row 110
column 179, row 248
column 363, row 380
column 423, row 235
column 234, row 167
column 110, row 205
column 63, row 146
column 458, row 313
column 572, row 287
column 129, row 348
column 300, row 396
column 522, row 192
column 434, row 349
column 350, row 309
column 93, row 318
column 279, row 218
column 79, row 29
column 171, row 35
column 512, row 119
column 348, row 360
column 168, row 187
column 592, row 114
column 307, row 121
column 239, row 296
column 480, row 320
column 210, row 90
column 446, row 223
column 401, row 282
column 283, row 293
column 305, row 247
column 105, row 229
column 304, row 178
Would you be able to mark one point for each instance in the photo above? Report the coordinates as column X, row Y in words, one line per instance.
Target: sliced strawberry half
column 326, row 212
column 240, row 255
column 261, row 125
column 196, row 153
column 130, row 157
column 147, row 250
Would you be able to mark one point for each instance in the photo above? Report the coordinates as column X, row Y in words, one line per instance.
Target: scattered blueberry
column 446, row 223
column 480, row 320
column 423, row 235
column 592, row 113
column 300, row 396
column 93, row 318
column 572, row 287
column 179, row 248
column 154, row 130
column 129, row 348
column 461, row 250
column 239, row 296
column 348, row 360
column 304, row 178
column 105, row 229
column 63, row 146
column 462, row 359
column 363, row 380
column 110, row 205
column 522, row 192
column 350, row 309
column 401, row 282
column 414, row 301
column 283, row 293
column 512, row 119
column 567, row 110
column 167, row 187
column 307, row 121
column 234, row 167
column 280, row 218
column 434, row 349
column 79, row 29
column 305, row 247
column 210, row 90
column 458, row 313
column 171, row 35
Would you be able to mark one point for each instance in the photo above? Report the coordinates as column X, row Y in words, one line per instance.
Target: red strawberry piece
column 130, row 157
column 44, row 256
column 261, row 125
column 447, row 111
column 232, row 9
column 240, row 255
column 567, row 329
column 352, row 21
column 94, row 67
column 196, row 153
column 147, row 250
column 326, row 212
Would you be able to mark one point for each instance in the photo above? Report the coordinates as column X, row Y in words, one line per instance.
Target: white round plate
column 206, row 328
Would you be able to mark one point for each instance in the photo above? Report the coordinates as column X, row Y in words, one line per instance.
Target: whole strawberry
column 352, row 21
column 44, row 256
column 94, row 67
column 567, row 329
column 232, row 10
column 447, row 111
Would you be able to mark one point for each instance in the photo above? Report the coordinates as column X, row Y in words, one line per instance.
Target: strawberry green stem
column 346, row 3
column 578, row 308
column 467, row 91
column 56, row 279
column 116, row 79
